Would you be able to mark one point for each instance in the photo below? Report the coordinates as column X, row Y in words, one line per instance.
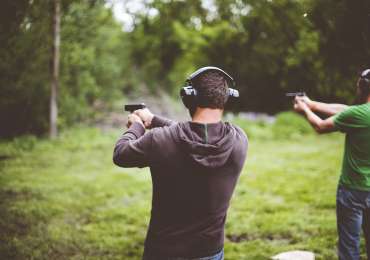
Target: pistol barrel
column 294, row 94
column 132, row 107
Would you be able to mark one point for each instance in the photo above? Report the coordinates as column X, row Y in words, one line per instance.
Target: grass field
column 64, row 199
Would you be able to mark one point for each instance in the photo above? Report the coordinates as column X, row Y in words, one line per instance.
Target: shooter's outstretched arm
column 327, row 109
column 320, row 125
column 323, row 108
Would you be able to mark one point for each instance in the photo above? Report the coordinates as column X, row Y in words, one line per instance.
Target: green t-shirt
column 355, row 122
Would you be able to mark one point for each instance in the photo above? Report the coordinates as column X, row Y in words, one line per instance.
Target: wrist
column 312, row 105
column 306, row 110
column 139, row 122
column 137, row 129
column 150, row 119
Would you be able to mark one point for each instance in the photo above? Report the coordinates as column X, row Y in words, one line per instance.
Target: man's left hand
column 300, row 106
column 132, row 118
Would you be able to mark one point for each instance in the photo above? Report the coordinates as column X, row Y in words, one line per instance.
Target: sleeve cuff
column 158, row 121
column 137, row 129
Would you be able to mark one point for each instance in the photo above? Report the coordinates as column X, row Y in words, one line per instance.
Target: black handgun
column 132, row 107
column 294, row 94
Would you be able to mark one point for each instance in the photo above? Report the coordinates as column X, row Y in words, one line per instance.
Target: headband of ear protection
column 364, row 82
column 189, row 94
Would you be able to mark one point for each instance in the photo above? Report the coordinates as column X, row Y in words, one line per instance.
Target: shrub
column 290, row 125
column 25, row 143
column 254, row 129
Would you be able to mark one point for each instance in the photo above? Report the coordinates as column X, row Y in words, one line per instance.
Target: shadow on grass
column 24, row 235
column 14, row 225
column 4, row 157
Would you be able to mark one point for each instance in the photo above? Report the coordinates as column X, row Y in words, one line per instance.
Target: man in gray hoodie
column 194, row 167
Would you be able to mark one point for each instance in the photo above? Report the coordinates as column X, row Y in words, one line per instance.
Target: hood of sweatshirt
column 209, row 145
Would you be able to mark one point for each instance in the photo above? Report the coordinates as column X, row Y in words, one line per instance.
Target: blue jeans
column 218, row 256
column 353, row 213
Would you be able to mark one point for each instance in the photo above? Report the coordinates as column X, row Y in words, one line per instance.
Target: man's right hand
column 304, row 99
column 145, row 115
column 132, row 118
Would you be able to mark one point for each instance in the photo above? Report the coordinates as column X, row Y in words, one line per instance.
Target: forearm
column 321, row 126
column 158, row 121
column 313, row 119
column 123, row 154
column 327, row 109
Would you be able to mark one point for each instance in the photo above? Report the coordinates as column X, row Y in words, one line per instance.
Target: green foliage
column 65, row 199
column 287, row 126
column 290, row 125
column 24, row 143
column 93, row 63
column 254, row 130
column 269, row 47
column 24, row 67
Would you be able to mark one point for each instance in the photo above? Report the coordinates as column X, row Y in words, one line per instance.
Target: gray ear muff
column 188, row 96
column 365, row 74
column 188, row 91
column 233, row 93
column 364, row 82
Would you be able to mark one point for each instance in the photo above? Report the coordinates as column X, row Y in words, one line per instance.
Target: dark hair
column 212, row 90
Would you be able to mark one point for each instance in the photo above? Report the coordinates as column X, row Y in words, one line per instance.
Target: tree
column 55, row 71
column 93, row 64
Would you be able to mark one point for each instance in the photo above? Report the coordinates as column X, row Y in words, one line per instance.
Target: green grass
column 65, row 199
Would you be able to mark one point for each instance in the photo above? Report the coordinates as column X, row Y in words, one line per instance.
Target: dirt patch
column 243, row 237
column 4, row 157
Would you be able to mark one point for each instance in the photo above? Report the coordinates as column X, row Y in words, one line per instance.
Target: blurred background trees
column 269, row 46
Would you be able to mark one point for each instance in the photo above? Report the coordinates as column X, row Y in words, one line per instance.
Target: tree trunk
column 55, row 71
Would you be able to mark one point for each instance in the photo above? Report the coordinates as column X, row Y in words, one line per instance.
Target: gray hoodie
column 194, row 169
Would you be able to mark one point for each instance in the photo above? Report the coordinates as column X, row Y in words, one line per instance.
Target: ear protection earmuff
column 364, row 82
column 189, row 94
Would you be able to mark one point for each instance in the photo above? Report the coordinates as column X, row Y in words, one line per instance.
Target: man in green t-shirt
column 353, row 195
